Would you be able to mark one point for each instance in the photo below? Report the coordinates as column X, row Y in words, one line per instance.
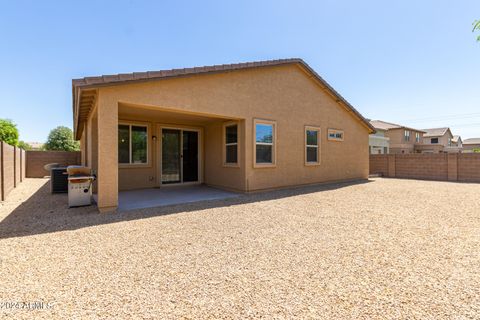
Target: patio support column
column 107, row 174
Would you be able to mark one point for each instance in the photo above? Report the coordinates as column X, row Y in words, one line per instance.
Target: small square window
column 335, row 135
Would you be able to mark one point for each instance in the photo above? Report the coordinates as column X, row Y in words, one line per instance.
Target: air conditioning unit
column 58, row 180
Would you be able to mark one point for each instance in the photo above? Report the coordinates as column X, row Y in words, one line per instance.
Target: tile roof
column 117, row 79
column 435, row 132
column 152, row 75
column 472, row 141
column 383, row 125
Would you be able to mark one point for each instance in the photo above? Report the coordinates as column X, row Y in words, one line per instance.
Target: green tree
column 8, row 132
column 25, row 146
column 61, row 139
column 476, row 27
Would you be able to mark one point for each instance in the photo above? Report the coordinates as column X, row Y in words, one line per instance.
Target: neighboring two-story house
column 438, row 140
column 402, row 139
column 378, row 143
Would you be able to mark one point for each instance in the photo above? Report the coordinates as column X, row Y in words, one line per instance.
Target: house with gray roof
column 401, row 139
column 437, row 140
column 471, row 145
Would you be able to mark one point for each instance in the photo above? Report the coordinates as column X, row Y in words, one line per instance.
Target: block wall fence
column 37, row 159
column 17, row 164
column 12, row 168
column 439, row 166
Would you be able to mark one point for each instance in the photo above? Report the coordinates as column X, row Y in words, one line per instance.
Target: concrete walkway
column 148, row 198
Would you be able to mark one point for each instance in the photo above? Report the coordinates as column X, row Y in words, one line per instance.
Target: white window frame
column 135, row 124
column 225, row 144
column 318, row 130
column 273, row 144
column 335, row 131
column 417, row 136
column 406, row 135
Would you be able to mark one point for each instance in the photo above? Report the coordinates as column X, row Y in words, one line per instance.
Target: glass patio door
column 171, row 168
column 179, row 156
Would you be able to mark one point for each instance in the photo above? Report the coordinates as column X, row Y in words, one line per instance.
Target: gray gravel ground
column 387, row 249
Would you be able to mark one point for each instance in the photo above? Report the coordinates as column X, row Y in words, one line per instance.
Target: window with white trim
column 407, row 135
column 417, row 136
column 335, row 135
column 231, row 144
column 132, row 144
column 312, row 145
column 264, row 142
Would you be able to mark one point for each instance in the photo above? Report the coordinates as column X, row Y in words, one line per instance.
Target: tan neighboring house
column 437, row 140
column 245, row 127
column 402, row 139
column 471, row 145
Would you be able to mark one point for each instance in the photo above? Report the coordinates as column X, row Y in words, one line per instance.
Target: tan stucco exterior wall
column 216, row 174
column 83, row 147
column 285, row 94
column 212, row 170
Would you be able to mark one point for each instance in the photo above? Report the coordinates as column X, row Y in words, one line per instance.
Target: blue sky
column 413, row 62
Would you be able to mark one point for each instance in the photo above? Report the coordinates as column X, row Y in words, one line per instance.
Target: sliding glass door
column 171, row 167
column 179, row 156
column 190, row 156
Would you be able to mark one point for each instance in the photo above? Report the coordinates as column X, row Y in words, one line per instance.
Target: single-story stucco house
column 245, row 127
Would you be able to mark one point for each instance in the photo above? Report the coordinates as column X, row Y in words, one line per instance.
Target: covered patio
column 157, row 197
column 165, row 156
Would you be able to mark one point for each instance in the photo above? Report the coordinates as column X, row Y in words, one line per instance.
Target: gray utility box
column 80, row 191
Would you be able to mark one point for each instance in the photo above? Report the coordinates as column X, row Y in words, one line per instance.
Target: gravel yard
column 387, row 248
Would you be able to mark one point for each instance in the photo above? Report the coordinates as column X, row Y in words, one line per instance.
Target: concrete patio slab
column 148, row 198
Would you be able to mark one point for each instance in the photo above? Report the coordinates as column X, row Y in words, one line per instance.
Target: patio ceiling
column 166, row 115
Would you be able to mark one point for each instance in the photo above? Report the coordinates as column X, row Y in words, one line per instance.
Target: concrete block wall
column 17, row 166
column 7, row 168
column 378, row 164
column 440, row 166
column 24, row 165
column 37, row 159
column 11, row 168
column 469, row 167
column 422, row 166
